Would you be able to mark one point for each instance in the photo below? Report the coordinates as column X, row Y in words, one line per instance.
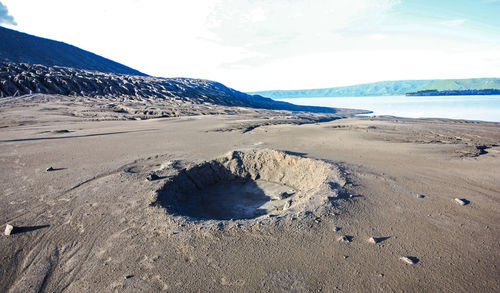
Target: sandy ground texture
column 241, row 203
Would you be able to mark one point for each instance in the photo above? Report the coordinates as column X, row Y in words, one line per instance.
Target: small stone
column 317, row 220
column 373, row 240
column 420, row 196
column 285, row 195
column 407, row 260
column 129, row 276
column 288, row 204
column 344, row 238
column 346, row 256
column 461, row 201
column 335, row 228
column 50, row 169
column 152, row 177
column 8, row 229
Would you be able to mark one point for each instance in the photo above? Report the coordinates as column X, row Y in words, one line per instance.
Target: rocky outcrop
column 22, row 79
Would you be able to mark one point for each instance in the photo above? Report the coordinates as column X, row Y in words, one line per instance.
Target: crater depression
column 250, row 184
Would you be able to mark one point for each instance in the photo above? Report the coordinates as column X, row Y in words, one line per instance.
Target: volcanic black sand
column 244, row 200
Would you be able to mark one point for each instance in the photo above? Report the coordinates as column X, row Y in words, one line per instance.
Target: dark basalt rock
column 17, row 79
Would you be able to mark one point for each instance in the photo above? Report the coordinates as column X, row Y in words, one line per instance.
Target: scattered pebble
column 408, row 260
column 152, row 177
column 461, row 201
column 8, row 229
column 50, row 169
column 335, row 228
column 373, row 240
column 285, row 194
column 344, row 238
column 346, row 256
column 317, row 220
column 129, row 276
column 420, row 196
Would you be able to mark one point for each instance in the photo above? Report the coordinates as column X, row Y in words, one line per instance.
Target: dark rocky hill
column 23, row 48
column 23, row 79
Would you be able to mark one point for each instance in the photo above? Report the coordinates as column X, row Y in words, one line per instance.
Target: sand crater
column 249, row 184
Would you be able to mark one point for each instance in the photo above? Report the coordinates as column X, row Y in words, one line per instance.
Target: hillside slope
column 23, row 79
column 387, row 88
column 23, row 48
column 462, row 84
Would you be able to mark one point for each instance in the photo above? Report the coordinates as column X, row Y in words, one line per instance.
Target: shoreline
column 372, row 115
column 429, row 107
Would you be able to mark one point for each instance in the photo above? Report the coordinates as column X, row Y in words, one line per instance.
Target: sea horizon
column 477, row 108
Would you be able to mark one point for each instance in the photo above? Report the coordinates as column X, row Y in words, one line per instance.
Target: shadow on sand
column 24, row 229
column 72, row 136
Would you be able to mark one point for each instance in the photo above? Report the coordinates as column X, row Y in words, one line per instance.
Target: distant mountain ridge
column 19, row 47
column 387, row 88
column 483, row 92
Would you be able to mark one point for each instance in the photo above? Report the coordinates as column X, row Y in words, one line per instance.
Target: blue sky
column 461, row 18
column 277, row 44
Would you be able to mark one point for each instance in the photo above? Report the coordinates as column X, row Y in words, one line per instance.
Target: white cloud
column 263, row 25
column 453, row 22
column 378, row 36
column 5, row 17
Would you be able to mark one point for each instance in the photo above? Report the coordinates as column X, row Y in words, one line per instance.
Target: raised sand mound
column 250, row 184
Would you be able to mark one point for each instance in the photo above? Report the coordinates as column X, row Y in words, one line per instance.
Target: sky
column 255, row 45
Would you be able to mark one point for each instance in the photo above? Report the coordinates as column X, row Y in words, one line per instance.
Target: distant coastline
column 472, row 86
column 482, row 92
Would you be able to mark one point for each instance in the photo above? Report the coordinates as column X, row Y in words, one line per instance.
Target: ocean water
column 483, row 108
